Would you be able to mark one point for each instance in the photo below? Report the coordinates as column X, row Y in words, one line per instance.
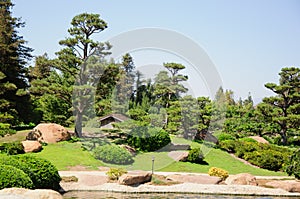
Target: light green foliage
column 115, row 173
column 214, row 171
column 13, row 177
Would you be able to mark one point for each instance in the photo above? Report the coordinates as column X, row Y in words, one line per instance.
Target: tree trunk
column 284, row 136
column 78, row 124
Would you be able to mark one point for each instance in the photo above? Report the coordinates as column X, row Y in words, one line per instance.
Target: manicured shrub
column 13, row 177
column 195, row 156
column 225, row 136
column 245, row 147
column 42, row 173
column 228, row 145
column 146, row 138
column 12, row 148
column 214, row 171
column 293, row 165
column 112, row 153
column 115, row 173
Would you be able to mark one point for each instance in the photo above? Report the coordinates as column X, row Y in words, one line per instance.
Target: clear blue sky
column 248, row 41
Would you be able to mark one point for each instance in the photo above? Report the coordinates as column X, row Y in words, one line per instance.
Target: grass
column 17, row 137
column 64, row 155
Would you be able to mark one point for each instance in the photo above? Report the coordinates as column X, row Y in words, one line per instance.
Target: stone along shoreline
column 98, row 181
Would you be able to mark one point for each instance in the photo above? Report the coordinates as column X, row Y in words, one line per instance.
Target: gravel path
column 97, row 181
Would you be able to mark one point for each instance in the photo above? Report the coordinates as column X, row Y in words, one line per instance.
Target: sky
column 247, row 41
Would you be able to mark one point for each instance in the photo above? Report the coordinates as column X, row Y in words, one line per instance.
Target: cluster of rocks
column 44, row 133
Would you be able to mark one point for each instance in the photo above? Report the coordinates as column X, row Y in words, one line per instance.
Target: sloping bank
column 97, row 181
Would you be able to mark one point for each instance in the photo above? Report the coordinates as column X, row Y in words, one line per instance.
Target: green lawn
column 64, row 155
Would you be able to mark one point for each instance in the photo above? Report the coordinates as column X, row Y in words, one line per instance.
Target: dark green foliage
column 293, row 165
column 195, row 156
column 14, row 100
column 146, row 138
column 267, row 159
column 228, row 145
column 13, row 177
column 42, row 173
column 6, row 131
column 225, row 136
column 12, row 148
column 245, row 147
column 113, row 154
column 266, row 156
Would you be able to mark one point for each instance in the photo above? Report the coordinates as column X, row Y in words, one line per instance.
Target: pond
column 111, row 195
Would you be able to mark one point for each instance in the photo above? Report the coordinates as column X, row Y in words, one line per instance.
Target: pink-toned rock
column 288, row 185
column 241, row 179
column 259, row 139
column 22, row 193
column 31, row 146
column 49, row 133
column 133, row 178
column 199, row 179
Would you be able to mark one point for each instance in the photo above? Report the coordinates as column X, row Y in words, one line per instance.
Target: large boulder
column 199, row 179
column 31, row 146
column 288, row 185
column 49, row 133
column 133, row 178
column 241, row 179
column 21, row 193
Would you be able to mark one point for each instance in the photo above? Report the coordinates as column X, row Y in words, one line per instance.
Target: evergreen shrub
column 112, row 153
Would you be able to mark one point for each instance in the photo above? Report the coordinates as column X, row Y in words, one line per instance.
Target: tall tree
column 13, row 58
column 282, row 111
column 80, row 48
column 168, row 88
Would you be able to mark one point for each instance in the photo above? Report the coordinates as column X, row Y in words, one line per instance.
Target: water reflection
column 110, row 195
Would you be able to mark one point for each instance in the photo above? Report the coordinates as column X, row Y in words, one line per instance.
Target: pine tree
column 13, row 58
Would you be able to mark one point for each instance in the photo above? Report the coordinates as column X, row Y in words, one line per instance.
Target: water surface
column 111, row 195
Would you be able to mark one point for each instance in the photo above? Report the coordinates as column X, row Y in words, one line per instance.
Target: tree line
column 81, row 83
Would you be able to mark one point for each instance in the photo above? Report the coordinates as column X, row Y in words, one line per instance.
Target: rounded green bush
column 112, row 153
column 13, row 177
column 42, row 173
column 147, row 139
column 195, row 156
